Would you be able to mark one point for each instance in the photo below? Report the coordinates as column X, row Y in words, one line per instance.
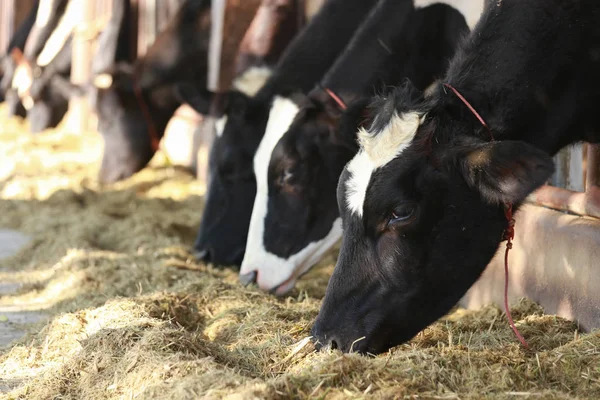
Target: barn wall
column 555, row 262
column 153, row 16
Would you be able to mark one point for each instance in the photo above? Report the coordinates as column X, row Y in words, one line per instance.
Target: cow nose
column 322, row 344
column 247, row 279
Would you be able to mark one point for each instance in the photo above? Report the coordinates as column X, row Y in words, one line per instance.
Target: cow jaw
column 281, row 274
column 270, row 268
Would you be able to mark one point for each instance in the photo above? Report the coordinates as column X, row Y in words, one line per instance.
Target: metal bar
column 586, row 204
column 216, row 43
column 593, row 166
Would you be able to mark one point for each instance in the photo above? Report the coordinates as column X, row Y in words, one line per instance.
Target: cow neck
column 509, row 232
column 366, row 60
column 328, row 33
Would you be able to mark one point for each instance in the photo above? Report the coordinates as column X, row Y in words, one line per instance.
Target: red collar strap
column 336, row 98
column 154, row 140
column 509, row 232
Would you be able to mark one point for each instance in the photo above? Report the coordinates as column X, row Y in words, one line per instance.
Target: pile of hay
column 132, row 315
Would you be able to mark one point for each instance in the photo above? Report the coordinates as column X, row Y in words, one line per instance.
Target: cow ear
column 198, row 99
column 506, row 171
column 355, row 117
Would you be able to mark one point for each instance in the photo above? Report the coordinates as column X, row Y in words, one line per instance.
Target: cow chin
column 222, row 235
column 120, row 162
column 369, row 320
column 279, row 275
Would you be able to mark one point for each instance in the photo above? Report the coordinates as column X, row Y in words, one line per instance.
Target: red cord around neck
column 154, row 140
column 336, row 98
column 471, row 108
column 509, row 232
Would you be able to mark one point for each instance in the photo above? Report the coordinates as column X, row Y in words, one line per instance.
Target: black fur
column 227, row 212
column 179, row 54
column 50, row 103
column 531, row 69
column 17, row 41
column 313, row 152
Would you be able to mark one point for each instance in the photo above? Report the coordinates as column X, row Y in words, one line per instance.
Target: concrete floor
column 13, row 320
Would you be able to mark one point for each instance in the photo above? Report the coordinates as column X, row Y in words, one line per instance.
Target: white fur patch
column 27, row 102
column 360, row 169
column 252, row 80
column 376, row 151
column 22, row 80
column 273, row 270
column 281, row 273
column 220, row 125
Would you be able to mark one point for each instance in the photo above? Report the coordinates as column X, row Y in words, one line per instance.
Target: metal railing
column 575, row 187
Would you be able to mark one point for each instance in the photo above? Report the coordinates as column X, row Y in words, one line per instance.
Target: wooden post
column 83, row 35
column 21, row 10
column 229, row 21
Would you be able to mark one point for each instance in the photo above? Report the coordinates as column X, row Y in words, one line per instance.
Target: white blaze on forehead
column 220, row 125
column 273, row 270
column 376, row 151
column 252, row 80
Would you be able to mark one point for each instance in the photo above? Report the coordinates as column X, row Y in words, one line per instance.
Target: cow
column 41, row 94
column 295, row 219
column 16, row 45
column 10, row 63
column 48, row 15
column 228, row 206
column 114, row 48
column 50, row 92
column 135, row 102
column 425, row 201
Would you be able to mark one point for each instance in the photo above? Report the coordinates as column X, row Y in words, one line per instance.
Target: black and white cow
column 423, row 202
column 295, row 219
column 16, row 44
column 228, row 205
column 41, row 74
column 134, row 103
column 47, row 16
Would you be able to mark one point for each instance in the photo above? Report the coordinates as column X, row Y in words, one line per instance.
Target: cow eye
column 402, row 214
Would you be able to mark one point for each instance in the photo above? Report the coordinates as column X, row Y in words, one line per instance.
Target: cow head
column 17, row 83
column 180, row 51
column 295, row 220
column 232, row 186
column 422, row 210
column 50, row 101
column 127, row 121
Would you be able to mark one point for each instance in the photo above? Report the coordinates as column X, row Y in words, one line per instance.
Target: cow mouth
column 284, row 287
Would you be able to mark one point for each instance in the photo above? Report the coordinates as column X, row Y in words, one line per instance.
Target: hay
column 131, row 315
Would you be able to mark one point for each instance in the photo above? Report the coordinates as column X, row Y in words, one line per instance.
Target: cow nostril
column 333, row 345
column 247, row 279
column 203, row 255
